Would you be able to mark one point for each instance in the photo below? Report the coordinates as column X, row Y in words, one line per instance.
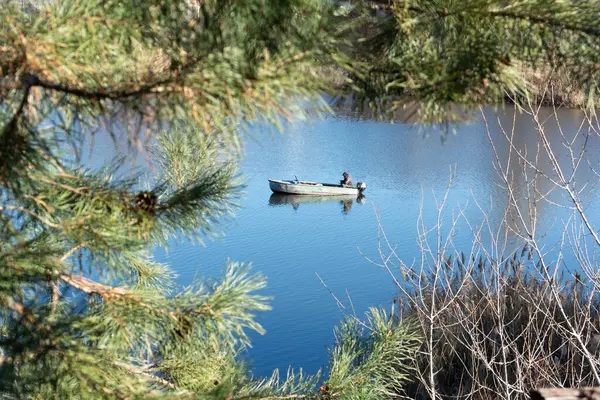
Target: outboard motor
column 361, row 186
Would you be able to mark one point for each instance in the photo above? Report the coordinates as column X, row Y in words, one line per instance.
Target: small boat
column 314, row 188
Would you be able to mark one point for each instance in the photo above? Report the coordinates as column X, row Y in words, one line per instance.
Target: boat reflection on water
column 294, row 200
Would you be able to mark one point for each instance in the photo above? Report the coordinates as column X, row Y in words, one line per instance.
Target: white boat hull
column 311, row 188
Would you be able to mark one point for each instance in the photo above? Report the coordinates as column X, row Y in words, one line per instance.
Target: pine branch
column 19, row 308
column 105, row 93
column 11, row 125
column 470, row 10
column 29, row 212
column 557, row 23
column 150, row 376
column 94, row 288
column 73, row 250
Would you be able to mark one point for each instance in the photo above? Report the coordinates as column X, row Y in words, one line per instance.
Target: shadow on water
column 294, row 200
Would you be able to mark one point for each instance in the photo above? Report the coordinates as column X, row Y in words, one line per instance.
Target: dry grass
column 565, row 90
column 503, row 333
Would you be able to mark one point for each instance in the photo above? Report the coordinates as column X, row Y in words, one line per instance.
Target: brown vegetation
column 554, row 87
column 508, row 315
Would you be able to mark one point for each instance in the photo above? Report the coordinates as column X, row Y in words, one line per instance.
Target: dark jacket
column 347, row 181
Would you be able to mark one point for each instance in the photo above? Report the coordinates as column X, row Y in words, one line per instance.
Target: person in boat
column 347, row 181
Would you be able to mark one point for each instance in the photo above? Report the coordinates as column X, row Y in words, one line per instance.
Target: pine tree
column 430, row 56
column 85, row 311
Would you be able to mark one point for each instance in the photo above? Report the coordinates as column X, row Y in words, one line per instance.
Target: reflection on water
column 294, row 200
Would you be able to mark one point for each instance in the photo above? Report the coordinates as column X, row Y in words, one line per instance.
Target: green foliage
column 444, row 53
column 139, row 66
column 196, row 181
column 85, row 311
column 372, row 360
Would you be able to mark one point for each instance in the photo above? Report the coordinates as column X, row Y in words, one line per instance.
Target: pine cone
column 146, row 201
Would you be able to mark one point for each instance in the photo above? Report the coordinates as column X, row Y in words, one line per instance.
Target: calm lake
column 291, row 241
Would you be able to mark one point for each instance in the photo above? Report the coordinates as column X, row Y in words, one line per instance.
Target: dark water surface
column 290, row 241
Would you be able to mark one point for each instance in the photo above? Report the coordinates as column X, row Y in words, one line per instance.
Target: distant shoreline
column 559, row 89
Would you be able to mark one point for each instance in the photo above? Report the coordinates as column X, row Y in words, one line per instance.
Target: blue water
column 295, row 243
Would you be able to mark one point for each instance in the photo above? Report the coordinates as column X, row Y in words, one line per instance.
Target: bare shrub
column 508, row 314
